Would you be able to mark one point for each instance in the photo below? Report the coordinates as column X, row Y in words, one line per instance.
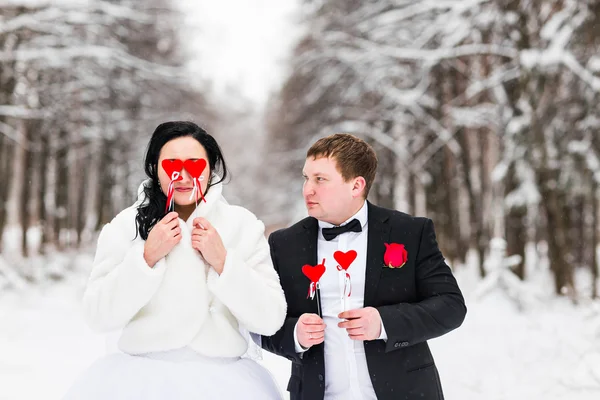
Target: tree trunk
column 7, row 147
column 561, row 263
column 383, row 187
column 61, row 191
column 439, row 206
column 475, row 222
column 455, row 250
column 26, row 183
column 515, row 225
column 485, row 166
column 577, row 229
column 106, row 182
column 412, row 194
column 543, row 90
column 442, row 190
column 83, row 179
column 515, row 221
column 6, row 160
column 594, row 238
column 42, row 165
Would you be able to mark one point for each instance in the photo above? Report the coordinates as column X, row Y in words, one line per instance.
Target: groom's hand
column 310, row 330
column 362, row 323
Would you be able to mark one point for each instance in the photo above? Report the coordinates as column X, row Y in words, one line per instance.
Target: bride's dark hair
column 152, row 208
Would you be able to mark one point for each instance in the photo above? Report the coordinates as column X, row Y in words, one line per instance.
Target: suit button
column 404, row 344
column 396, row 344
column 321, row 377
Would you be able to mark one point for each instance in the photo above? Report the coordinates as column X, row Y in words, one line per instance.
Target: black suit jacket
column 417, row 302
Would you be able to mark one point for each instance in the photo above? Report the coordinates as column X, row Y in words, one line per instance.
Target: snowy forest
column 83, row 85
column 484, row 114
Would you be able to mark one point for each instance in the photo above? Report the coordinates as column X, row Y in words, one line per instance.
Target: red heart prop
column 314, row 273
column 345, row 259
column 195, row 167
column 171, row 166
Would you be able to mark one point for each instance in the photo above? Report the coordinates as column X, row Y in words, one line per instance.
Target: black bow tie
column 352, row 226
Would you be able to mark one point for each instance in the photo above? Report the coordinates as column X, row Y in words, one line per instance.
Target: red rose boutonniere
column 395, row 255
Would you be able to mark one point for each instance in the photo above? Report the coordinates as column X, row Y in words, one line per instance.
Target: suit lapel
column 379, row 231
column 309, row 254
column 311, row 233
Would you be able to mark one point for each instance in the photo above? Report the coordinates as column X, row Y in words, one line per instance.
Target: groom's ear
column 358, row 187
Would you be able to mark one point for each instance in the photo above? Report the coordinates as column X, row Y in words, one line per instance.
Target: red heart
column 195, row 167
column 314, row 273
column 345, row 259
column 171, row 166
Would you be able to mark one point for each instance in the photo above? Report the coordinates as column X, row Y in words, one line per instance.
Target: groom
column 384, row 292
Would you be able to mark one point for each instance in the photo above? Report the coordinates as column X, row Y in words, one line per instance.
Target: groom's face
column 326, row 195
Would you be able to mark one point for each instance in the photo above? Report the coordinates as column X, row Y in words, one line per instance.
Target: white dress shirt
column 346, row 372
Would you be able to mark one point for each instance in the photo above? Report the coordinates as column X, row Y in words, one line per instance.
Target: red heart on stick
column 195, row 167
column 345, row 259
column 314, row 273
column 171, row 166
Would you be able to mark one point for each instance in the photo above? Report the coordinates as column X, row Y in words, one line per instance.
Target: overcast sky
column 242, row 43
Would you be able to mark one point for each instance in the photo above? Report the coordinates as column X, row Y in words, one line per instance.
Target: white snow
column 549, row 351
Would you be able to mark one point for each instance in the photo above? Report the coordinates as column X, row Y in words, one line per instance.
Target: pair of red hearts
column 314, row 273
column 193, row 167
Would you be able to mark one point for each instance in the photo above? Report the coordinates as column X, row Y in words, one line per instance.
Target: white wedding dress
column 181, row 374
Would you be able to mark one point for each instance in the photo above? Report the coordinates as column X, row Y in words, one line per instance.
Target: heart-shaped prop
column 173, row 169
column 314, row 273
column 345, row 259
column 172, row 166
column 195, row 167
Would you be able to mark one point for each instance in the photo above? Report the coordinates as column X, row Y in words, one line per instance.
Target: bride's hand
column 162, row 238
column 207, row 241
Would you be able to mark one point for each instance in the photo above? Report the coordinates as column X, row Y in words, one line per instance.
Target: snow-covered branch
column 10, row 132
column 495, row 80
column 77, row 12
column 369, row 48
column 21, row 112
column 63, row 57
column 399, row 15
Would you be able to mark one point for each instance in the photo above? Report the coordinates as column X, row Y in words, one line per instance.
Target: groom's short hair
column 354, row 157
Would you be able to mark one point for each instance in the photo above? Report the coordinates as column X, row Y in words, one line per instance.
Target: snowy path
column 498, row 354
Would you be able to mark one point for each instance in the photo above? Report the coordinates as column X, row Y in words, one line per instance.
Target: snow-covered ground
column 550, row 351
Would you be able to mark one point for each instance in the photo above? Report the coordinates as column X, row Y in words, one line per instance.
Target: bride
column 182, row 273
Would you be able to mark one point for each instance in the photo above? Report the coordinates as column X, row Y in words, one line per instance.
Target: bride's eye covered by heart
column 193, row 167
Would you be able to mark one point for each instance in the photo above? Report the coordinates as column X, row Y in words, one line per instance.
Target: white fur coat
column 181, row 301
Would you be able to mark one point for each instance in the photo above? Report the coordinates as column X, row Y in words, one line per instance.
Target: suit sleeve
column 282, row 342
column 441, row 306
